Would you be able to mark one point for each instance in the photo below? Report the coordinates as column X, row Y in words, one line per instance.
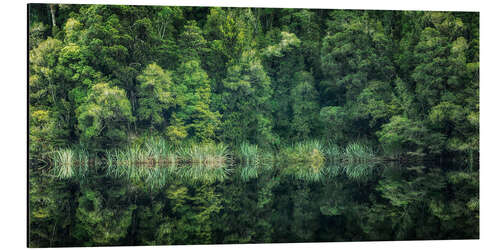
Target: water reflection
column 266, row 201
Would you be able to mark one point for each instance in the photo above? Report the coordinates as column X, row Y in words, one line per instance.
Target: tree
column 50, row 110
column 228, row 33
column 356, row 60
column 405, row 135
column 104, row 117
column 304, row 98
column 282, row 60
column 155, row 96
column 193, row 92
column 246, row 96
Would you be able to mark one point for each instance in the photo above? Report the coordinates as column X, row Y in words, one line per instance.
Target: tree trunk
column 53, row 14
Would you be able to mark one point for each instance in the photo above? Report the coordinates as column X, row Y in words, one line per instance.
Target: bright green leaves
column 37, row 33
column 72, row 30
column 179, row 105
column 43, row 76
column 194, row 90
column 245, row 97
column 155, row 95
column 288, row 42
column 357, row 52
column 442, row 78
column 192, row 43
column 229, row 33
column 230, row 28
column 282, row 61
column 373, row 103
column 453, row 119
column 48, row 93
column 104, row 116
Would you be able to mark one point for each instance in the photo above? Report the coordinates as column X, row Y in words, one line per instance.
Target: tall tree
column 155, row 96
column 104, row 117
column 246, row 110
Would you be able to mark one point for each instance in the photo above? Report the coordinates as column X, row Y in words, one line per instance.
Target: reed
column 209, row 154
column 200, row 173
column 83, row 163
column 63, row 160
column 249, row 153
column 357, row 152
column 253, row 161
column 68, row 163
column 156, row 162
column 308, row 151
column 152, row 176
column 160, row 150
column 333, row 152
column 334, row 169
column 305, row 160
column 359, row 171
column 309, row 174
column 248, row 172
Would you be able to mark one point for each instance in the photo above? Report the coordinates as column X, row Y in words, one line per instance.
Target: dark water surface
column 257, row 204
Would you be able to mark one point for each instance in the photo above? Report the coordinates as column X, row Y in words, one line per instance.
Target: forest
column 160, row 125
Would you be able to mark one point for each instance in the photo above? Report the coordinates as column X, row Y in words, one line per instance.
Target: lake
column 256, row 203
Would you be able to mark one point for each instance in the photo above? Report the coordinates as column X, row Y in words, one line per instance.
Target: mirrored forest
column 160, row 125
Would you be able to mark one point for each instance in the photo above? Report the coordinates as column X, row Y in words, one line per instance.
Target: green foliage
column 358, row 152
column 155, row 95
column 100, row 223
column 305, row 160
column 246, row 114
column 68, row 163
column 192, row 125
column 284, row 61
column 253, row 161
column 104, row 116
column 304, row 106
column 193, row 102
column 402, row 134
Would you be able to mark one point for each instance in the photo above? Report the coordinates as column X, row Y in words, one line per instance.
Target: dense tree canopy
column 105, row 77
column 265, row 76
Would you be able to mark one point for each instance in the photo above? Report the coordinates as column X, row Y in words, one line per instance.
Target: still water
column 256, row 204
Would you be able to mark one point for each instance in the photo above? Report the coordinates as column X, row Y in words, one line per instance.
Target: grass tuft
column 70, row 163
column 357, row 152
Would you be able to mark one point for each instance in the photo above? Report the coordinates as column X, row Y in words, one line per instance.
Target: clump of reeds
column 334, row 168
column 358, row 171
column 253, row 161
column 249, row 171
column 308, row 174
column 200, row 173
column 249, row 153
column 63, row 160
column 68, row 163
column 160, row 150
column 333, row 152
column 155, row 151
column 156, row 161
column 357, row 152
column 305, row 160
column 308, row 151
column 208, row 154
column 130, row 165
